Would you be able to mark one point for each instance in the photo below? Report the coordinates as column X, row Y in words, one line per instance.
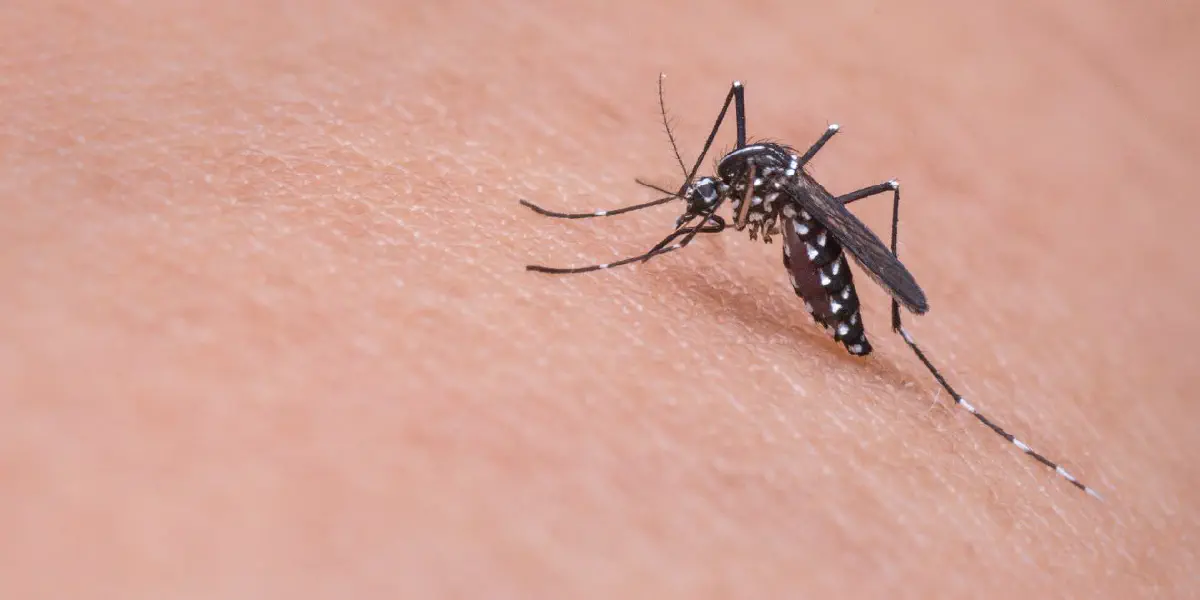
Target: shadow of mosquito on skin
column 772, row 315
column 769, row 313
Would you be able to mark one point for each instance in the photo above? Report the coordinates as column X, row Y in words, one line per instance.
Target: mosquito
column 772, row 194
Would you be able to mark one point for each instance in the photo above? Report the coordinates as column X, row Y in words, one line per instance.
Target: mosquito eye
column 706, row 191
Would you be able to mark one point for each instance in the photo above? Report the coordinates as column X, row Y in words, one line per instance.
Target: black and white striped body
column 820, row 275
column 773, row 166
column 815, row 261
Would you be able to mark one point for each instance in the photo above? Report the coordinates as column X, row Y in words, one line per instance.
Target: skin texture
column 267, row 333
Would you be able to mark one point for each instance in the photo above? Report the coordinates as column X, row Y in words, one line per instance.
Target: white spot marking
column 789, row 211
column 836, row 266
column 758, row 181
column 1021, row 445
column 846, row 293
column 804, row 215
column 800, row 228
column 895, row 185
column 856, row 349
column 825, row 280
column 603, row 266
column 843, row 329
column 1064, row 473
column 854, row 319
column 601, row 213
column 909, row 339
column 756, row 201
column 962, row 401
column 812, row 252
column 834, row 306
column 790, row 172
column 821, row 239
column 834, row 127
column 796, row 285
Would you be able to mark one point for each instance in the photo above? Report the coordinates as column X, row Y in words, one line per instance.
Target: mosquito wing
column 863, row 245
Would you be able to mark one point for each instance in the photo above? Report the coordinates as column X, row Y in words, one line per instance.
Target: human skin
column 268, row 334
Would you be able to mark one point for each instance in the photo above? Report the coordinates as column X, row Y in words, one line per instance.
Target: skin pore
column 269, row 333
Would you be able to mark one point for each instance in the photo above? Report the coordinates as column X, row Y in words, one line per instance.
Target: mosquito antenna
column 736, row 93
column 671, row 195
column 662, row 108
column 656, row 188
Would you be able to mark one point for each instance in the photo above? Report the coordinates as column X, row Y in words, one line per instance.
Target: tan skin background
column 267, row 333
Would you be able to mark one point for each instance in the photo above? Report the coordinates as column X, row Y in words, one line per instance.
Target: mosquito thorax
column 756, row 177
column 767, row 158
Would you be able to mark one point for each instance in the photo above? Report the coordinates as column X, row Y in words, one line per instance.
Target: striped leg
column 994, row 427
column 715, row 224
column 899, row 328
column 595, row 213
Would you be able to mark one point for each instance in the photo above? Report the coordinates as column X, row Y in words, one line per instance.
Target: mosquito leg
column 991, row 425
column 740, row 222
column 908, row 339
column 597, row 213
column 739, row 98
column 816, row 147
column 606, row 213
column 714, row 225
column 737, row 95
column 867, row 192
column 713, row 221
column 894, row 187
column 590, row 268
column 708, row 216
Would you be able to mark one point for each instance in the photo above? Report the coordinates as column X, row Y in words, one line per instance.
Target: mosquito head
column 702, row 195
